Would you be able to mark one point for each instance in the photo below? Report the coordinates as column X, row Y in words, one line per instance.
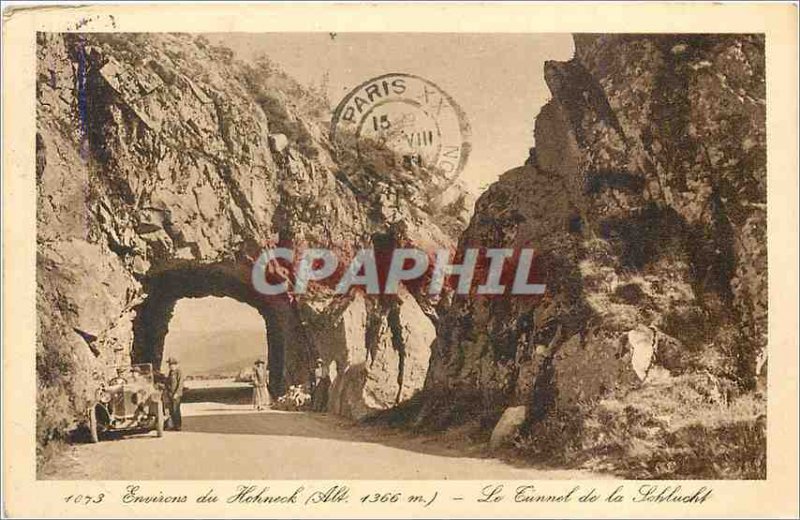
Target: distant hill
column 224, row 352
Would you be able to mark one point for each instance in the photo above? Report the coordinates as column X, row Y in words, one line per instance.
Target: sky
column 212, row 313
column 200, row 323
column 497, row 79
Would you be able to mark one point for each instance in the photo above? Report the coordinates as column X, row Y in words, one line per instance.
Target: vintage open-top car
column 129, row 400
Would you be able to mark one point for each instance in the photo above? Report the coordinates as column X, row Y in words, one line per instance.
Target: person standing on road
column 174, row 393
column 321, row 385
column 260, row 380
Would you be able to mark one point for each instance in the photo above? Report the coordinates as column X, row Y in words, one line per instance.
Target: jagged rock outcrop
column 163, row 166
column 645, row 199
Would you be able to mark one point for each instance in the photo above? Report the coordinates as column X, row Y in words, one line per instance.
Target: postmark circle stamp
column 410, row 115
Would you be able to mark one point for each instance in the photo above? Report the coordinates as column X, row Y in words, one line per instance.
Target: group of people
column 320, row 384
column 173, row 389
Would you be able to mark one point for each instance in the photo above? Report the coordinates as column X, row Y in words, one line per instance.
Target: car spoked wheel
column 93, row 433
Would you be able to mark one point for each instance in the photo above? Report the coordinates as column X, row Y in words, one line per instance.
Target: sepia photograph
column 634, row 169
column 413, row 255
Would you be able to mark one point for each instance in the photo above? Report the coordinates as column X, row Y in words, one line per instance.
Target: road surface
column 231, row 441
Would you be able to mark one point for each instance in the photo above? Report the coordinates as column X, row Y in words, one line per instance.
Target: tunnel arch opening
column 290, row 350
column 215, row 337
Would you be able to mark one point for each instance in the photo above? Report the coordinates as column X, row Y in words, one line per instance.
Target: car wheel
column 160, row 420
column 93, row 433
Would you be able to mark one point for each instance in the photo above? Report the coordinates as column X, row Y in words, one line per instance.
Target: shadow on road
column 296, row 424
column 322, row 426
column 223, row 394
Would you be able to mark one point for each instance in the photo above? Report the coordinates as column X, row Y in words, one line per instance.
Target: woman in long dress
column 260, row 380
column 322, row 383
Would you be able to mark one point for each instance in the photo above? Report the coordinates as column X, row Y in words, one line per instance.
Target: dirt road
column 229, row 441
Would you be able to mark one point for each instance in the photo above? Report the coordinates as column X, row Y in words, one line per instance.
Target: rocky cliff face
column 645, row 198
column 163, row 166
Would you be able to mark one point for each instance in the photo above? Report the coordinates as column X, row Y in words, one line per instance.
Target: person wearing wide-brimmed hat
column 174, row 393
column 260, row 379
